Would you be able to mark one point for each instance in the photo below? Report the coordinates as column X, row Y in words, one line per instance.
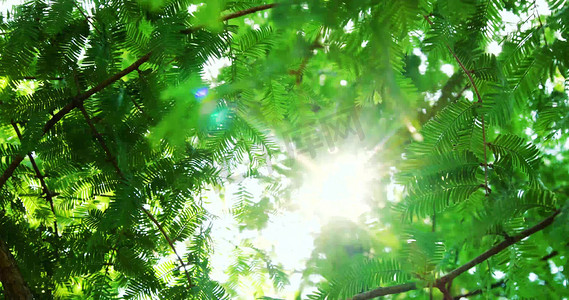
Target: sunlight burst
column 336, row 186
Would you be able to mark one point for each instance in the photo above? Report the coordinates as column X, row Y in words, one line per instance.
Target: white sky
column 5, row 5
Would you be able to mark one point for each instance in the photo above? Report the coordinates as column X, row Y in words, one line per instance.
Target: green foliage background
column 110, row 137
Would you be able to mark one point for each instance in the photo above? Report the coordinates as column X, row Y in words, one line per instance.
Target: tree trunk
column 15, row 288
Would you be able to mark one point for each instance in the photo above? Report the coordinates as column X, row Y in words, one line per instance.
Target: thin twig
column 461, row 92
column 114, row 162
column 232, row 16
column 155, row 221
column 480, row 291
column 468, row 74
column 396, row 289
column 298, row 73
column 87, row 18
column 101, row 141
column 536, row 14
column 48, row 194
column 138, row 107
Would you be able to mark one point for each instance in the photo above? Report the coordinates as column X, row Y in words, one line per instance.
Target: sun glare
column 335, row 187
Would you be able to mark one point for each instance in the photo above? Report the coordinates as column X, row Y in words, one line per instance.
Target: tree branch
column 10, row 170
column 501, row 246
column 468, row 73
column 155, row 221
column 500, row 283
column 79, row 99
column 14, row 285
column 298, row 73
column 382, row 291
column 551, row 255
column 233, row 16
column 69, row 107
column 248, row 11
column 480, row 291
column 48, row 194
column 85, row 16
column 113, row 160
column 445, row 290
column 390, row 290
column 101, row 141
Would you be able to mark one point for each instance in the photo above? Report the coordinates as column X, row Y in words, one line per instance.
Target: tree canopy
column 123, row 121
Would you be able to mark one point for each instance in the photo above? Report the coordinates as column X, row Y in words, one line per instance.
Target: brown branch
column 459, row 63
column 155, row 221
column 298, row 73
column 468, row 74
column 551, row 255
column 10, row 170
column 445, row 290
column 82, row 97
column 486, row 186
column 14, row 285
column 501, row 246
column 139, row 108
column 113, row 160
column 78, row 102
column 233, row 16
column 248, row 11
column 115, row 77
column 389, row 290
column 101, row 141
column 480, row 291
column 536, row 14
column 48, row 194
column 69, row 107
column 85, row 16
column 501, row 282
column 382, row 291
